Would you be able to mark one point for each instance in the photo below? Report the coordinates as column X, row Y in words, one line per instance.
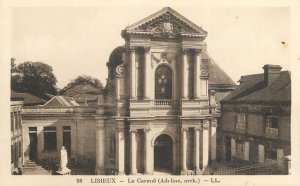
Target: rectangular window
column 203, row 87
column 12, row 153
column 240, row 124
column 272, row 125
column 271, row 154
column 19, row 120
column 239, row 150
column 11, row 122
column 50, row 138
column 67, row 139
column 20, row 149
column 32, row 129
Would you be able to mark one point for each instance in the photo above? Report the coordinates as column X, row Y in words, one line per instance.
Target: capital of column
column 147, row 49
column 184, row 129
column 132, row 130
column 214, row 123
column 132, row 49
column 198, row 51
column 205, row 124
column 185, row 51
column 198, row 128
column 147, row 129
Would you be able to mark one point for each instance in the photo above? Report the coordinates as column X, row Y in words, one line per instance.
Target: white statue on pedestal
column 63, row 169
column 63, row 158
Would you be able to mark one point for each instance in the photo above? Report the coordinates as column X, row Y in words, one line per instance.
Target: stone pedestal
column 63, row 169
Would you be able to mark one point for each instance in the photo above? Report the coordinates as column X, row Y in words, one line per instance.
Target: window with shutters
column 272, row 126
column 240, row 122
column 241, row 119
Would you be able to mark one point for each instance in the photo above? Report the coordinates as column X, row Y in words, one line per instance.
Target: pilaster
column 205, row 150
column 133, row 151
column 147, row 72
column 100, row 147
column 197, row 75
column 213, row 140
column 185, row 75
column 133, row 92
column 184, row 148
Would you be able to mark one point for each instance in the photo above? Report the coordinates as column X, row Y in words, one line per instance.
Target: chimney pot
column 271, row 73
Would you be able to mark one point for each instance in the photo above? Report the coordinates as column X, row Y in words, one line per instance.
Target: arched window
column 163, row 82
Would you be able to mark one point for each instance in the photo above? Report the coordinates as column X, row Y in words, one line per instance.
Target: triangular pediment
column 167, row 22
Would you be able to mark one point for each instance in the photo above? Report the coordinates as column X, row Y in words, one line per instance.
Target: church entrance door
column 163, row 156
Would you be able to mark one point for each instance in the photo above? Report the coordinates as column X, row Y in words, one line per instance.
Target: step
column 31, row 165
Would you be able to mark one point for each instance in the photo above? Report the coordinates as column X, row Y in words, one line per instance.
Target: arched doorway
column 163, row 157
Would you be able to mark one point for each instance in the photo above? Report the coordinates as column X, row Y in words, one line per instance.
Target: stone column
column 121, row 150
column 205, row 144
column 117, row 88
column 197, row 75
column 147, row 68
column 233, row 147
column 261, row 153
column 279, row 160
column 196, row 148
column 184, row 148
column 132, row 73
column 147, row 152
column 40, row 142
column 246, row 154
column 100, row 147
column 185, row 75
column 133, row 151
column 213, row 140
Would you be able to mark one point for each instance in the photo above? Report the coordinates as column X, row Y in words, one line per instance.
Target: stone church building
column 158, row 111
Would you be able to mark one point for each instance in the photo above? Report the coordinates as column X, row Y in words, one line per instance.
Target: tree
column 84, row 80
column 36, row 78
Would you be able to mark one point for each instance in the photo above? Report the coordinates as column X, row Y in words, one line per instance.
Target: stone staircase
column 33, row 168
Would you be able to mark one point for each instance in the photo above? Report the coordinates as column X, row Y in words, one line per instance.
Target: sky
column 79, row 40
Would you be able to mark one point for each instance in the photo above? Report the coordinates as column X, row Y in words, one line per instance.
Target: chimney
column 271, row 73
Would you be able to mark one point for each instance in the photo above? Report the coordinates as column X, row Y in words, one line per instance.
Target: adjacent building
column 255, row 121
column 16, row 134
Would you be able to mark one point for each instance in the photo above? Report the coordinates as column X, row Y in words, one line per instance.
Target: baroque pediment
column 166, row 22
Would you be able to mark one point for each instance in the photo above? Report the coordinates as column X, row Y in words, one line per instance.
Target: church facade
column 158, row 111
column 164, row 114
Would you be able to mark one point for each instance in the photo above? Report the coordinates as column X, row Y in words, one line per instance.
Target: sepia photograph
column 166, row 90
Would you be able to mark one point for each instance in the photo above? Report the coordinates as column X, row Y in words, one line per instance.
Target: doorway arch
column 163, row 153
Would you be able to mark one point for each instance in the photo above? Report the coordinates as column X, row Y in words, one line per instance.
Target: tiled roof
column 28, row 99
column 80, row 98
column 61, row 101
column 253, row 88
column 217, row 77
column 81, row 89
